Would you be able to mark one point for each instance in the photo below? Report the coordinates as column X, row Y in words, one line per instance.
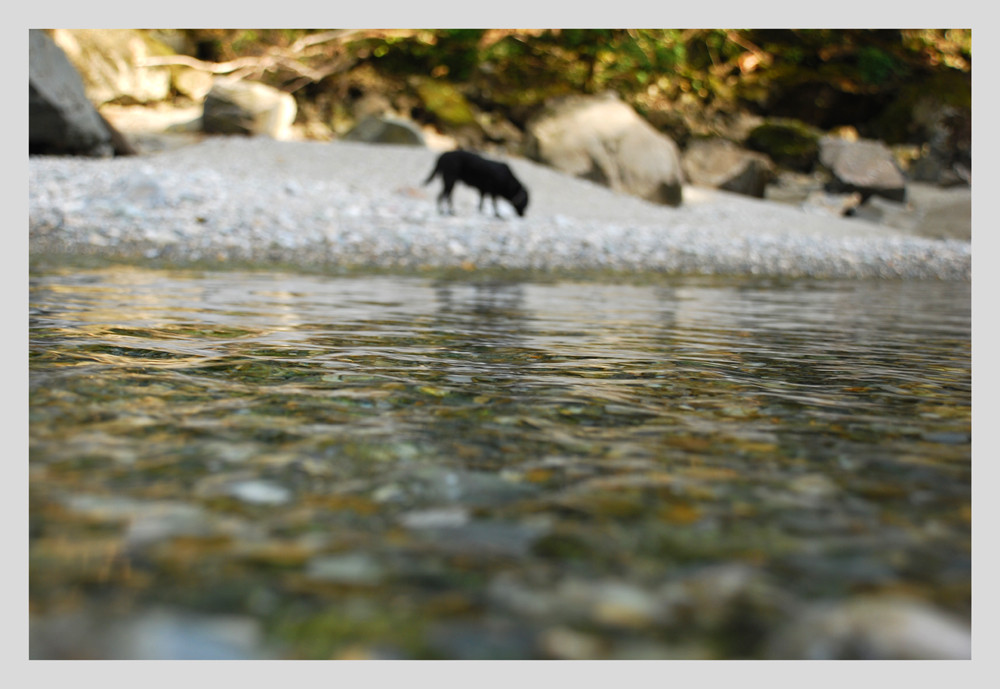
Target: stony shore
column 328, row 206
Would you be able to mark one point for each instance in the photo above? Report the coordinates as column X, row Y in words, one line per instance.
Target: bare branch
column 187, row 61
column 275, row 59
column 314, row 39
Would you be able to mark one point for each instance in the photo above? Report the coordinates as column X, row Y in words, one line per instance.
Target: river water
column 230, row 464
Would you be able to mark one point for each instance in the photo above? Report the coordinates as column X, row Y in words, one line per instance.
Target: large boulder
column 864, row 166
column 385, row 129
column 250, row 108
column 60, row 118
column 603, row 139
column 872, row 628
column 947, row 159
column 721, row 164
column 110, row 62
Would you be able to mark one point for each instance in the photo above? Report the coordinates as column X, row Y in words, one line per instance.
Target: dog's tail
column 434, row 172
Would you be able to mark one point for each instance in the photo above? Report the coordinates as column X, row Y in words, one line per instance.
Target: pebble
column 157, row 634
column 150, row 522
column 487, row 538
column 354, row 205
column 436, row 518
column 432, row 486
column 492, row 640
column 260, row 492
column 873, row 628
column 566, row 644
column 350, row 568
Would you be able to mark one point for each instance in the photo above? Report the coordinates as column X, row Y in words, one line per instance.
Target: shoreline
column 254, row 202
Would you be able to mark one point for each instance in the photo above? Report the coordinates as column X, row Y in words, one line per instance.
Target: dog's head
column 520, row 201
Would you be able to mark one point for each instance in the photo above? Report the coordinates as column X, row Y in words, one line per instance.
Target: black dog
column 491, row 178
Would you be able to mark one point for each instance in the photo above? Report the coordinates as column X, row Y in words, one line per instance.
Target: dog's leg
column 482, row 196
column 449, row 184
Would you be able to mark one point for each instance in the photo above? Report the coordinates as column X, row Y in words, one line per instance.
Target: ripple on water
column 407, row 467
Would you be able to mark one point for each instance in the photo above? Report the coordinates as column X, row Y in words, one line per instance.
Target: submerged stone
column 873, row 628
column 350, row 568
column 260, row 492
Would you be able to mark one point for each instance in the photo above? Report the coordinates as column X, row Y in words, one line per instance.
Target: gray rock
column 243, row 486
column 148, row 635
column 484, row 538
column 602, row 139
column 564, row 643
column 358, row 569
column 930, row 211
column 372, row 103
column 150, row 522
column 825, row 203
column 722, row 164
column 241, row 107
column 873, row 628
column 882, row 211
column 947, row 157
column 385, row 129
column 60, row 118
column 437, row 486
column 864, row 166
column 483, row 640
column 794, row 187
column 444, row 517
column 260, row 492
column 949, row 218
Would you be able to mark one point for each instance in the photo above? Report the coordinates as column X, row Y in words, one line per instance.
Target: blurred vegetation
column 868, row 78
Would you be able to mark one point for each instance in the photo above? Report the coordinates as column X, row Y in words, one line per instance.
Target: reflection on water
column 401, row 467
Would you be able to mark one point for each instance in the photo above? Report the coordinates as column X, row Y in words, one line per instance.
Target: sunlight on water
column 406, row 467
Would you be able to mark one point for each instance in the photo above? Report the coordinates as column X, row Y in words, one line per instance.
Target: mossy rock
column 898, row 122
column 789, row 143
column 446, row 103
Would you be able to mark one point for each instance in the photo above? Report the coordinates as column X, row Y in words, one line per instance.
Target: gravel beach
column 323, row 206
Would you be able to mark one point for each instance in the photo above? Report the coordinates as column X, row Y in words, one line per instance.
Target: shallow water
column 405, row 467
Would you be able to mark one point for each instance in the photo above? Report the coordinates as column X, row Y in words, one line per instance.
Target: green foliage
column 877, row 66
column 245, row 41
column 727, row 69
column 446, row 103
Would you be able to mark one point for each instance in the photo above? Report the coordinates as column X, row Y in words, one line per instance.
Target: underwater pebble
column 435, row 485
column 873, row 628
column 150, row 635
column 485, row 537
column 492, row 640
column 623, row 605
column 435, row 519
column 353, row 568
column 260, row 492
column 566, row 644
column 814, row 486
column 151, row 522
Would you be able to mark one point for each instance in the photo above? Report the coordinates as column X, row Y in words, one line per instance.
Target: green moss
column 446, row 103
column 789, row 143
column 896, row 122
column 331, row 632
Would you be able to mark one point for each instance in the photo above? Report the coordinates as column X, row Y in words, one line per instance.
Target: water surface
column 407, row 467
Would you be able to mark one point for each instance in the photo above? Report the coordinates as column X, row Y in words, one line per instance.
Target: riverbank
column 340, row 205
